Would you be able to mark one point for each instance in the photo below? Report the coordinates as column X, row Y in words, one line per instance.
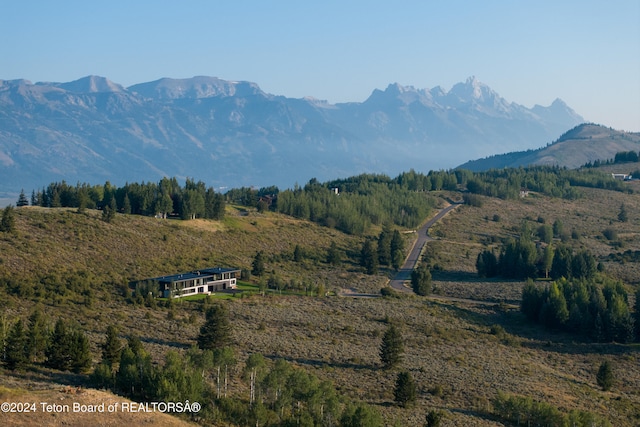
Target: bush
column 610, row 234
column 605, row 376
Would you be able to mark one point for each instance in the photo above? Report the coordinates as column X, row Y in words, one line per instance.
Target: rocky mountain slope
column 231, row 134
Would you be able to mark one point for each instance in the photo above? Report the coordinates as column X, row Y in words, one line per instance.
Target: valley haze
column 232, row 134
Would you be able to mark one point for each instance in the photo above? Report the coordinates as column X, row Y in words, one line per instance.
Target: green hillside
column 467, row 346
column 583, row 144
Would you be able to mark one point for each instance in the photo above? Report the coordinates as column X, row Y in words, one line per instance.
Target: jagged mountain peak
column 71, row 131
column 90, row 84
column 195, row 88
column 473, row 89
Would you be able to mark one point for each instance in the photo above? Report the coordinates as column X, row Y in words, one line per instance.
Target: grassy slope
column 579, row 146
column 448, row 345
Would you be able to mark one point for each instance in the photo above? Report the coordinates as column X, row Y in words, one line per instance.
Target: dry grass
column 458, row 363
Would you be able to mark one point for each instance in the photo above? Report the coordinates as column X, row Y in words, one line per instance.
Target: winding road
column 404, row 274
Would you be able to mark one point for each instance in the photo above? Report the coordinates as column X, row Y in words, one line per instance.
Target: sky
column 586, row 53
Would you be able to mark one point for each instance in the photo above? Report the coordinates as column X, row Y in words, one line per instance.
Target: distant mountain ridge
column 231, row 133
column 580, row 145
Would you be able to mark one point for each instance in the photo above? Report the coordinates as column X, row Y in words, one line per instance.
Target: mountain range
column 578, row 146
column 231, row 134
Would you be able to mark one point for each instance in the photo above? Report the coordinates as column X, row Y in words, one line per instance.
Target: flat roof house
column 205, row 281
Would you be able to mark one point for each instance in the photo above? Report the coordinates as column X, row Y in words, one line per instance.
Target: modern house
column 206, row 281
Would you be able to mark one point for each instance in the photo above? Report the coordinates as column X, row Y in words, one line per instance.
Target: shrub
column 610, row 234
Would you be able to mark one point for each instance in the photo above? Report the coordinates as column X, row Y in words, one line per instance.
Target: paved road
column 404, row 274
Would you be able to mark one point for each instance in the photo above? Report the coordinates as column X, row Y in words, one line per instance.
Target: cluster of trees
column 521, row 259
column 363, row 200
column 164, row 198
column 64, row 347
column 279, row 394
column 598, row 309
column 626, row 156
column 549, row 180
column 526, row 411
column 387, row 250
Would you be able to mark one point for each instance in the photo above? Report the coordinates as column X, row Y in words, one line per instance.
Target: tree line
column 64, row 347
column 522, row 259
column 597, row 308
column 165, row 198
column 357, row 203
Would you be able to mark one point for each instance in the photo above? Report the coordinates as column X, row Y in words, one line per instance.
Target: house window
column 201, row 290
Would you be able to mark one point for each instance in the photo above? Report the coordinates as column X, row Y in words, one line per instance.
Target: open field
column 454, row 348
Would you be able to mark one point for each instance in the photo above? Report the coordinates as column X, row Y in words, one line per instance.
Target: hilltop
column 583, row 144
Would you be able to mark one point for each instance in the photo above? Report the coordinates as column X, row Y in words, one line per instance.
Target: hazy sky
column 530, row 52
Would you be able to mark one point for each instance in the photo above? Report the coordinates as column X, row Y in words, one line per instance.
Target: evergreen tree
column 298, row 254
column 547, row 260
column 433, row 418
column 334, row 256
column 80, row 352
column 487, row 264
column 38, row 336
column 391, row 348
column 605, row 377
column 405, row 390
column 384, row 246
column 22, row 200
column 397, row 250
column 126, row 204
column 558, row 228
column 112, row 347
column 35, row 200
column 369, row 257
column 623, row 214
column 68, row 349
column 16, row 351
column 216, row 331
column 8, row 222
column 421, row 280
column 109, row 211
column 258, row 264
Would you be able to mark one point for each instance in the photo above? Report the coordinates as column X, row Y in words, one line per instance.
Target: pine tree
column 126, row 205
column 623, row 215
column 80, row 352
column 112, row 347
column 38, row 336
column 405, row 391
column 8, row 222
column 257, row 266
column 109, row 211
column 369, row 258
column 16, row 351
column 22, row 200
column 391, row 348
column 605, row 377
column 421, row 280
column 433, row 418
column 397, row 250
column 333, row 254
column 216, row 331
column 58, row 351
column 384, row 246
